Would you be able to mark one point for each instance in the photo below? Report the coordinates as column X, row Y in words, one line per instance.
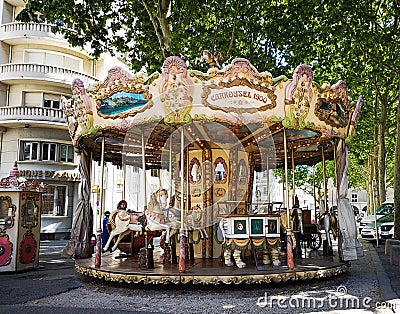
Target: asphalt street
column 371, row 285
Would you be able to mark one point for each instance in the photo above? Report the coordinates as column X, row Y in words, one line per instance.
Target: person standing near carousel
column 105, row 234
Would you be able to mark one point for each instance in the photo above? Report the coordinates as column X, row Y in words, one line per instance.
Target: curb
column 384, row 282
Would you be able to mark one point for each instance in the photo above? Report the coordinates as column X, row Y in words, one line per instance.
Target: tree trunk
column 397, row 174
column 376, row 166
column 370, row 185
column 382, row 150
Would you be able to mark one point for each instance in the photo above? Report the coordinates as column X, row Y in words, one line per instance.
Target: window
column 46, row 151
column 73, row 63
column 66, row 153
column 54, row 201
column 30, row 151
column 32, row 99
column 49, row 151
column 36, row 99
column 51, row 101
column 155, row 173
column 354, row 198
column 265, row 190
column 35, row 57
column 53, row 58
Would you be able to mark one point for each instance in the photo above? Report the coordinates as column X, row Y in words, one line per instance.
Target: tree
column 146, row 32
column 354, row 40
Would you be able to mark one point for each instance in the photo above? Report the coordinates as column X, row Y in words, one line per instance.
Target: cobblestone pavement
column 370, row 286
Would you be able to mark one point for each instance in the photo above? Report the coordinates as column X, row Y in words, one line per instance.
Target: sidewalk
column 391, row 271
column 56, row 288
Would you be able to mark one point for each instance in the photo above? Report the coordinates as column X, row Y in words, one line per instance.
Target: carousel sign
column 238, row 98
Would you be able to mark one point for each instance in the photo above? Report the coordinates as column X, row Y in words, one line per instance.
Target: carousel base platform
column 117, row 267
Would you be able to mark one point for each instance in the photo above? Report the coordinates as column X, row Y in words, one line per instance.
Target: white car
column 384, row 209
column 386, row 230
column 369, row 231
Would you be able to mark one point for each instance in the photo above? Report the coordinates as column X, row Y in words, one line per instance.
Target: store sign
column 51, row 174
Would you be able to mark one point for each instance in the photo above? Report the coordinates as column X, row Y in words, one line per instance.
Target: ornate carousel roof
column 236, row 106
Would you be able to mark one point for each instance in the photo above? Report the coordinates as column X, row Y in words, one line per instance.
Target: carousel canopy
column 237, row 107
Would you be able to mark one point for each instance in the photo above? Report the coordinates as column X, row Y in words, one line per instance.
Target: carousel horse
column 328, row 221
column 151, row 220
column 193, row 219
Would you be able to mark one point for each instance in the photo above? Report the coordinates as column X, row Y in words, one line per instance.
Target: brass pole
column 170, row 170
column 97, row 259
column 293, row 180
column 286, row 177
column 144, row 172
column 324, row 179
column 289, row 239
column 182, row 265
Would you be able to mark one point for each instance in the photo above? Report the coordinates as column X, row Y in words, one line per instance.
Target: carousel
column 211, row 132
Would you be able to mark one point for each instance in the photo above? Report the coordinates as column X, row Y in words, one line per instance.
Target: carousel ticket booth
column 20, row 206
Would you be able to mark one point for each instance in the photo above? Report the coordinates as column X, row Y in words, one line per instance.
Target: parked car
column 386, row 230
column 369, row 231
column 384, row 209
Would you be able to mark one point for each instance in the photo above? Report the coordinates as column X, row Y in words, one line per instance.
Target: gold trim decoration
column 257, row 278
column 239, row 244
column 10, row 207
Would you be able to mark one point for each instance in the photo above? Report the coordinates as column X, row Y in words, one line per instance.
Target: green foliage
column 356, row 41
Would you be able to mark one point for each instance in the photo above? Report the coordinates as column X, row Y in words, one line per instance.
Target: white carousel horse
column 151, row 220
column 328, row 221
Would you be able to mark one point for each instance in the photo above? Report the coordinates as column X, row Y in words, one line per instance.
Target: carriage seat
column 136, row 217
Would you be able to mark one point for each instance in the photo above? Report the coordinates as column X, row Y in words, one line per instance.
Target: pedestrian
column 105, row 234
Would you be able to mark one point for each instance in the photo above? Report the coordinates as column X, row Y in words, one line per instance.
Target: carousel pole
column 124, row 181
column 269, row 206
column 182, row 265
column 315, row 199
column 97, row 259
column 172, row 243
column 324, row 179
column 326, row 246
column 293, row 181
column 188, row 202
column 289, row 247
column 144, row 172
column 170, row 171
column 149, row 249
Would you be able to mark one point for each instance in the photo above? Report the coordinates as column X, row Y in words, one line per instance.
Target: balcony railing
column 20, row 30
column 38, row 114
column 29, row 71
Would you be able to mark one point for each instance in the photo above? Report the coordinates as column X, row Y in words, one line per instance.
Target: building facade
column 37, row 68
